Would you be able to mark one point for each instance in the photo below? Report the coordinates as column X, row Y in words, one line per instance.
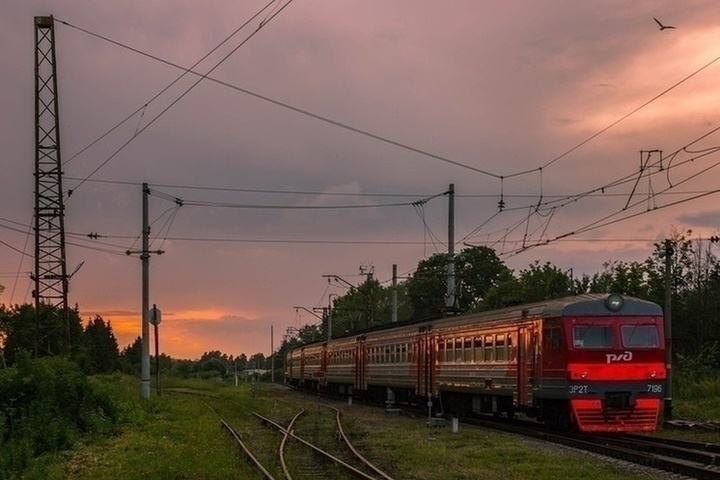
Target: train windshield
column 593, row 336
column 640, row 336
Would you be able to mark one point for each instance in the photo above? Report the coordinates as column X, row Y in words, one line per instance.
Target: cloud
column 505, row 88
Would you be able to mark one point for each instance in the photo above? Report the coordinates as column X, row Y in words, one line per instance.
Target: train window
column 500, row 347
column 458, row 350
column 468, row 350
column 512, row 349
column 593, row 336
column 488, row 351
column 441, row 351
column 478, row 349
column 640, row 336
column 404, row 353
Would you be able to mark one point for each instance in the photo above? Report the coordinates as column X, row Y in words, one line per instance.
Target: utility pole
column 329, row 315
column 50, row 275
column 272, row 356
column 145, row 258
column 368, row 272
column 155, row 318
column 394, row 294
column 668, row 253
column 450, row 296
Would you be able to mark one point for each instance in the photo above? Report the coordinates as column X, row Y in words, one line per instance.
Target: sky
column 319, row 139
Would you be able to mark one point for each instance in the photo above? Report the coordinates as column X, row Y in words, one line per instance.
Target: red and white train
column 594, row 361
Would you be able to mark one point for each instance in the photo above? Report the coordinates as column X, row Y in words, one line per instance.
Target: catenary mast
column 50, row 275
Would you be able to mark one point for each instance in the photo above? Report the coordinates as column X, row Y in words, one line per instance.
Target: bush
column 46, row 404
column 698, row 371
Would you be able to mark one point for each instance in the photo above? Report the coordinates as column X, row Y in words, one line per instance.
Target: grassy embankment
column 178, row 436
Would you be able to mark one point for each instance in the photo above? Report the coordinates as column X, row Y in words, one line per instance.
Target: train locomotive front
column 613, row 358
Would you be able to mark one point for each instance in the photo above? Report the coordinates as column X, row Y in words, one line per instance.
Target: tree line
column 483, row 282
column 94, row 347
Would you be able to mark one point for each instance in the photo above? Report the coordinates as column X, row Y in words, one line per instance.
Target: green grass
column 178, row 436
column 698, row 401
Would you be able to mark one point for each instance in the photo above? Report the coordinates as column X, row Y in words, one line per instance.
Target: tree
column 46, row 335
column 131, row 356
column 241, row 362
column 621, row 277
column 257, row 361
column 101, row 347
column 477, row 270
column 361, row 307
column 534, row 284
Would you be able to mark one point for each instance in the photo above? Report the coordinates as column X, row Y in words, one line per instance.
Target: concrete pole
column 157, row 349
column 450, row 295
column 394, row 294
column 145, row 257
column 667, row 408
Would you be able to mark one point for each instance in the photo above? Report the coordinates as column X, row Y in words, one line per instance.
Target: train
column 591, row 362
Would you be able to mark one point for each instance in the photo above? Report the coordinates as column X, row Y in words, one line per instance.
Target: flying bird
column 662, row 27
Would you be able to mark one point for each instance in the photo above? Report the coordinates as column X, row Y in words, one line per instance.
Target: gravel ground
column 620, row 464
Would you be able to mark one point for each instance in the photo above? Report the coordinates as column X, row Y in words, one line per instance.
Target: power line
column 144, row 106
column 287, row 106
column 345, row 194
column 624, row 117
column 174, row 102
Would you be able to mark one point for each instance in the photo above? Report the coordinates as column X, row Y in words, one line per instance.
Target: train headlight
column 653, row 374
column 614, row 302
column 583, row 375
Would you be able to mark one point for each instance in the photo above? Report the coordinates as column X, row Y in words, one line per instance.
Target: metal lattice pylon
column 50, row 276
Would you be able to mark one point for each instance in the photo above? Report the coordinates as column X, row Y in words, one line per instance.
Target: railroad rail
column 281, row 450
column 246, row 451
column 693, row 459
column 350, row 468
column 350, row 446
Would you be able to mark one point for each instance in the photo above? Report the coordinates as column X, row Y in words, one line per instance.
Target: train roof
column 595, row 304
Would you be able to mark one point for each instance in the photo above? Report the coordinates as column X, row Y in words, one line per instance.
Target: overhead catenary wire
column 340, row 194
column 182, row 95
column 400, row 144
column 537, row 210
column 143, row 107
column 657, row 165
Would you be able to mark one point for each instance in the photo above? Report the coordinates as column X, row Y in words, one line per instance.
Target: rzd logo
column 618, row 357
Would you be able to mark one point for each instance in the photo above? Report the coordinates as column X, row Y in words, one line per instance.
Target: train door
column 425, row 359
column 302, row 366
column 360, row 365
column 524, row 366
column 420, row 383
column 323, row 365
column 536, row 351
column 528, row 370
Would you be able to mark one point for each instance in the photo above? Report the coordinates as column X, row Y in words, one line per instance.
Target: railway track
column 321, row 463
column 691, row 459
